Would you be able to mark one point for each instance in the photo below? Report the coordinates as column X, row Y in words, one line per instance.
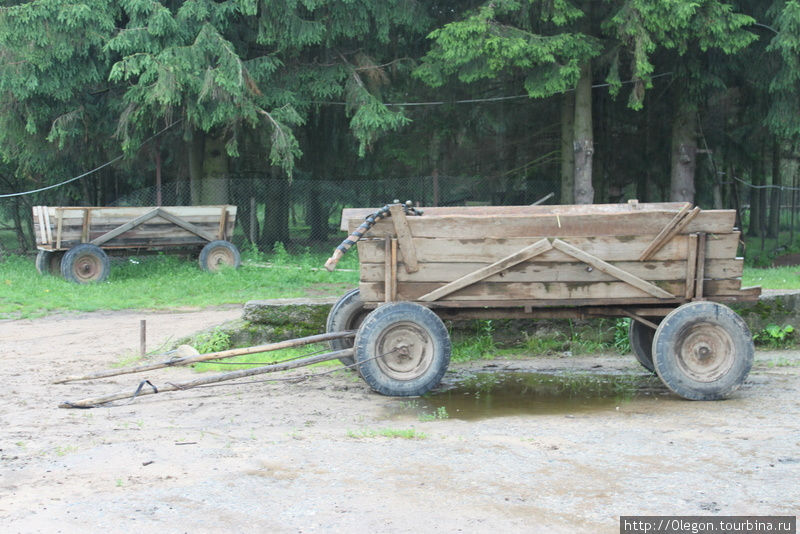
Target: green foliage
column 214, row 341
column 776, row 337
column 439, row 414
column 622, row 342
column 773, row 278
column 392, row 433
column 476, row 347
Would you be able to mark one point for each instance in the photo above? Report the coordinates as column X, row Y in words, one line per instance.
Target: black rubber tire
column 85, row 263
column 347, row 314
column 703, row 351
column 641, row 338
column 218, row 253
column 49, row 262
column 390, row 372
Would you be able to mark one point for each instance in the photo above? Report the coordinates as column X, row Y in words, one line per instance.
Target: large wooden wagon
column 73, row 241
column 668, row 267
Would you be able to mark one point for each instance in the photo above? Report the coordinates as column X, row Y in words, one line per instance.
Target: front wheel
column 703, row 351
column 217, row 254
column 402, row 349
column 641, row 338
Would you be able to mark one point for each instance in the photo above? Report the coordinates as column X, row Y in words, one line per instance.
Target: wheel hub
column 88, row 267
column 706, row 353
column 406, row 349
column 220, row 256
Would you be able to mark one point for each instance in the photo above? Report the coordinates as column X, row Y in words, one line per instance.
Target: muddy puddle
column 500, row 394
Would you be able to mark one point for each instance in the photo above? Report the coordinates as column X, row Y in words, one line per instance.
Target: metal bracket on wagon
column 369, row 221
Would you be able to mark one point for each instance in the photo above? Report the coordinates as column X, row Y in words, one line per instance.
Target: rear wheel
column 402, row 349
column 218, row 254
column 49, row 262
column 85, row 263
column 347, row 314
column 641, row 338
column 703, row 351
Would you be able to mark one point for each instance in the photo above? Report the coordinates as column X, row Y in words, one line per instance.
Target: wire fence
column 305, row 212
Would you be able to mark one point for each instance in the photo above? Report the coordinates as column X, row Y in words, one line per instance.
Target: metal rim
column 87, row 267
column 220, row 256
column 705, row 352
column 407, row 350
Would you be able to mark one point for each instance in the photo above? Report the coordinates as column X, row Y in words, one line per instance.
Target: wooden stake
column 143, row 337
column 289, row 343
column 700, row 273
column 96, row 401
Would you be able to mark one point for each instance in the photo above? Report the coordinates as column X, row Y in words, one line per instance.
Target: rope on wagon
column 369, row 222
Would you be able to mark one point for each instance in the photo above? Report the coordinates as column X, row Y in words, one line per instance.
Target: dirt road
column 312, row 457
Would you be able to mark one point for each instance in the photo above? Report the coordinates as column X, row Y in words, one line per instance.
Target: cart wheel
column 218, row 253
column 402, row 349
column 85, row 263
column 49, row 262
column 641, row 337
column 347, row 314
column 703, row 351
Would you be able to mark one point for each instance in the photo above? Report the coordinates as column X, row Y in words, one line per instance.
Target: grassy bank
column 164, row 281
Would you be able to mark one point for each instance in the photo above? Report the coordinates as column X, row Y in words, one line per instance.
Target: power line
column 106, row 164
column 479, row 100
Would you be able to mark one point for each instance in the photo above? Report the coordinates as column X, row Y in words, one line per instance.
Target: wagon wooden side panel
column 60, row 228
column 535, row 256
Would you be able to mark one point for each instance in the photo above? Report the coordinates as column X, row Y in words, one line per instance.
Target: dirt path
column 266, row 457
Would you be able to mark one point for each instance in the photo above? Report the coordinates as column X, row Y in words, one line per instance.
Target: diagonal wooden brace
column 607, row 268
column 543, row 245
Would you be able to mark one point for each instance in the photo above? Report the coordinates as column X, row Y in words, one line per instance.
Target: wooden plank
column 42, row 237
column 555, row 225
column 119, row 230
column 691, row 266
column 59, row 226
column 568, row 271
column 488, row 250
column 387, row 269
column 185, row 225
column 223, row 219
column 86, row 225
column 47, row 227
column 669, row 231
column 701, row 266
column 556, row 293
column 393, row 292
column 403, row 233
column 494, row 211
column 543, row 245
column 607, row 268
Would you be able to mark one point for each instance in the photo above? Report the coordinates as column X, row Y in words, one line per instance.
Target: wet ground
column 549, row 444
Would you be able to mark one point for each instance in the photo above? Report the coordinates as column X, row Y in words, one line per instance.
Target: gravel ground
column 310, row 457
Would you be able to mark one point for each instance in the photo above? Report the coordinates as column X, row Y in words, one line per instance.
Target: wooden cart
column 73, row 241
column 668, row 267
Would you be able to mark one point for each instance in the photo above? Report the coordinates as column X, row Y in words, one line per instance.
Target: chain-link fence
column 305, row 212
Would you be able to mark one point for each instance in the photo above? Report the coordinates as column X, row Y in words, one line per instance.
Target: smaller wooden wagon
column 73, row 241
column 666, row 266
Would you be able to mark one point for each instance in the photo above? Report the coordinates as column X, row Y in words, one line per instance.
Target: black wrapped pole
column 363, row 228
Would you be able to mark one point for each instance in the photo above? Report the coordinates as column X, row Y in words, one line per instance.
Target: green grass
column 387, row 433
column 264, row 358
column 774, row 278
column 168, row 281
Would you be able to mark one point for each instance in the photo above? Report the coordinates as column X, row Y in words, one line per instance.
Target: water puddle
column 498, row 394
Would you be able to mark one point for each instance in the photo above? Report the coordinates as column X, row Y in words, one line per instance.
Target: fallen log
column 289, row 343
column 283, row 366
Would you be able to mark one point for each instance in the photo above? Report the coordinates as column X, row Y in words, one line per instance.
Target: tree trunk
column 214, row 188
column 778, row 168
column 754, row 228
column 684, row 149
column 567, row 161
column 316, row 213
column 583, row 142
column 195, row 153
column 276, row 212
